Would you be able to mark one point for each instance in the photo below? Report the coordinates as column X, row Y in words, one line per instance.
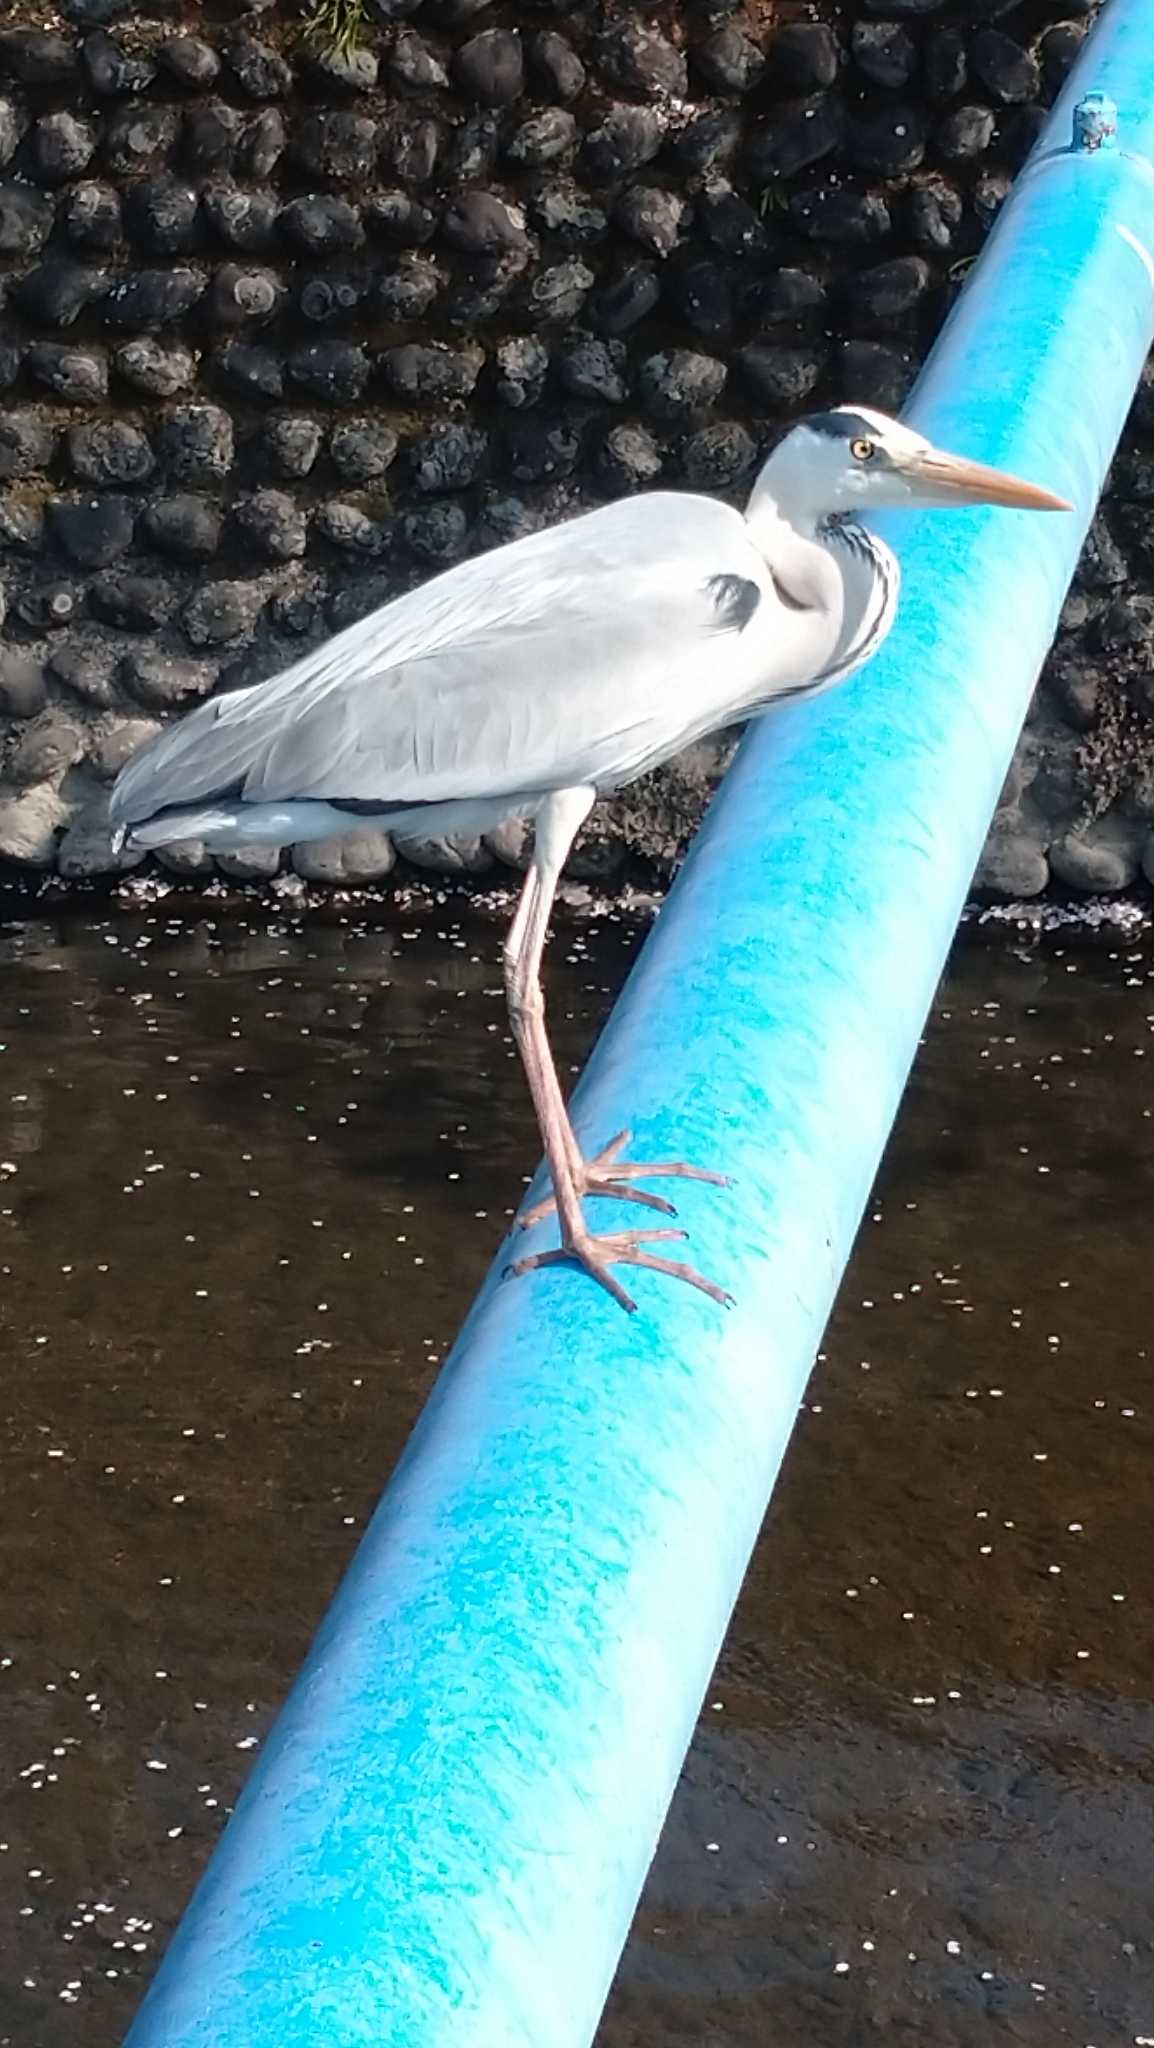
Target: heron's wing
column 569, row 657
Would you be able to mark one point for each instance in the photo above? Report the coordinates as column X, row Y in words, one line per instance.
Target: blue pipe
column 445, row 1838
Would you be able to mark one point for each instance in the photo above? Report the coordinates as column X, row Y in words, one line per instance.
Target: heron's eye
column 862, row 451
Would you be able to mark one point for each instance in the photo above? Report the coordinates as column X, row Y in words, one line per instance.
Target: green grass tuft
column 334, row 28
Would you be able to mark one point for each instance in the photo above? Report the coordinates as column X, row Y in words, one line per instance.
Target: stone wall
column 283, row 331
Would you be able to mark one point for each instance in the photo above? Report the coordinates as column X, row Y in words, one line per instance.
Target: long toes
column 598, row 1184
column 596, row 1268
column 677, row 1270
column 670, row 1169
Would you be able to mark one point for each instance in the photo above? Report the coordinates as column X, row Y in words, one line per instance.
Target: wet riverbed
column 253, row 1167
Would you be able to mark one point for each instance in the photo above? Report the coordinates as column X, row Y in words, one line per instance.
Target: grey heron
column 531, row 680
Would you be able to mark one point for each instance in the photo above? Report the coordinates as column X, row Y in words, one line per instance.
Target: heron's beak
column 953, row 480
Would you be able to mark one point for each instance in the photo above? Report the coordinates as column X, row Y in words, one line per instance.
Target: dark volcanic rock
column 46, row 607
column 890, row 291
column 944, row 70
column 322, row 225
column 93, row 532
column 797, row 134
column 449, row 457
column 164, row 681
column 274, row 525
column 91, row 215
column 242, row 218
column 37, row 58
column 184, row 526
column 27, row 445
column 414, row 67
column 86, row 669
column 804, row 57
column 335, row 371
column 540, row 450
column 433, row 371
column 556, row 296
column 652, row 216
column 331, row 295
column 138, row 138
column 148, row 366
column 146, row 300
column 78, row 375
column 209, row 135
column 873, row 374
column 625, row 299
column 400, row 219
column 189, row 62
column 408, row 290
column 1006, row 70
column 262, row 144
column 935, row 214
column 677, row 383
column 781, row 378
column 338, row 146
column 58, row 290
column 641, row 61
column 831, row 215
column 247, row 370
column 717, row 457
column 350, row 528
column 707, row 146
column 26, row 218
column 623, row 140
column 729, row 222
column 136, row 604
column 787, row 298
column 220, row 612
column 884, row 52
column 110, row 452
column 703, row 293
column 243, row 293
column 482, row 224
column 521, row 366
column 62, row 147
column 260, row 72
column 490, row 67
column 593, row 369
column 562, row 210
column 629, row 459
column 160, row 215
column 436, row 533
column 888, row 142
column 965, row 133
column 362, row 450
column 196, row 443
column 292, row 444
column 113, row 71
column 557, row 69
column 545, row 138
column 728, row 60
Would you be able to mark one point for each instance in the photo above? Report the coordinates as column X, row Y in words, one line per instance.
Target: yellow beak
column 975, row 483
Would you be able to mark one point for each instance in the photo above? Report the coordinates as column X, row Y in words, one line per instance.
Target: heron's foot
column 608, row 1174
column 598, row 1254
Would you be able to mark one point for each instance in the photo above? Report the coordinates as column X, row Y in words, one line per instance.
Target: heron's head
column 855, row 460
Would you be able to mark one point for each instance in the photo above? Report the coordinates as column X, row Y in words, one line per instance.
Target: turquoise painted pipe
column 445, row 1838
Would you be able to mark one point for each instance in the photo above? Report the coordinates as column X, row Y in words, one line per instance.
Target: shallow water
column 252, row 1168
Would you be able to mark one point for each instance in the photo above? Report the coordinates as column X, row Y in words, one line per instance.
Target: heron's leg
column 557, row 826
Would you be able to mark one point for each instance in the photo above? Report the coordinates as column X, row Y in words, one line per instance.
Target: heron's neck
column 790, row 543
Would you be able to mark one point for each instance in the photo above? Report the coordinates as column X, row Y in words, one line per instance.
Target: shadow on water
column 251, row 1172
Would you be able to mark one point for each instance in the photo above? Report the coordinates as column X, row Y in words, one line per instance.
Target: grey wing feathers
column 564, row 658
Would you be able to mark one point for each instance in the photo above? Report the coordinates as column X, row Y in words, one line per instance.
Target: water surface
column 252, row 1168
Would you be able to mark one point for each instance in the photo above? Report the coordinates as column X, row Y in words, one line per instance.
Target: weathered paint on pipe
column 446, row 1836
